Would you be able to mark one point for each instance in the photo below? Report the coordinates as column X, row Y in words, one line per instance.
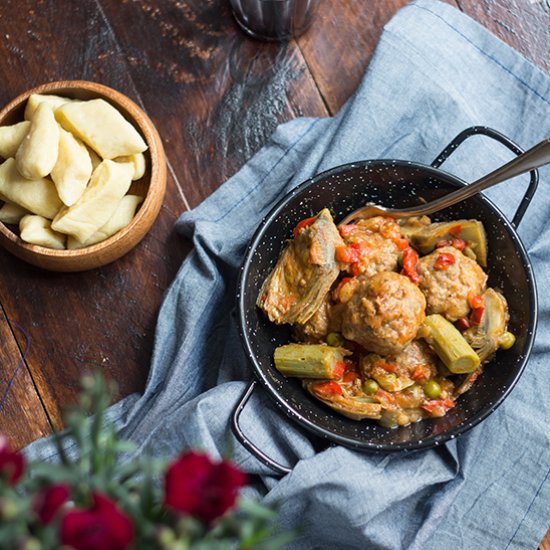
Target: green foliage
column 93, row 459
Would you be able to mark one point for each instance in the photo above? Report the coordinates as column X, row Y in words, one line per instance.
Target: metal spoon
column 537, row 156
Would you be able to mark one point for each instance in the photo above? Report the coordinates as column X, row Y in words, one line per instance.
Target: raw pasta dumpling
column 109, row 183
column 38, row 230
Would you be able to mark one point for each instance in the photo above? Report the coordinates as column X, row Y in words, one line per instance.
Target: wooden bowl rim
column 157, row 185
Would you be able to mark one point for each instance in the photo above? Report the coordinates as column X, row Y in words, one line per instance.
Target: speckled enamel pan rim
column 358, row 443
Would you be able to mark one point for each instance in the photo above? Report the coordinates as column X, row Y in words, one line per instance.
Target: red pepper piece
column 349, row 377
column 327, row 389
column 347, row 230
column 459, row 244
column 418, row 373
column 410, row 259
column 476, row 316
column 338, row 369
column 347, row 254
column 475, row 302
column 388, row 367
column 303, row 224
column 463, row 324
column 401, row 243
column 356, row 269
column 444, row 260
column 455, row 231
column 384, row 396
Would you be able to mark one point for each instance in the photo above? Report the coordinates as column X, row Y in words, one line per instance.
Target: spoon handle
column 537, row 156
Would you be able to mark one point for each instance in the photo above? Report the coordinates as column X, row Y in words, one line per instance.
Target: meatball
column 384, row 314
column 376, row 243
column 447, row 283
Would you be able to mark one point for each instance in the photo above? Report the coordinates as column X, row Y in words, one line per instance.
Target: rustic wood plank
column 524, row 25
column 340, row 44
column 104, row 318
column 22, row 415
column 217, row 94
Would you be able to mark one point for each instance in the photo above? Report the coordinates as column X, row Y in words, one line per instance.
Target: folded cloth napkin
column 434, row 73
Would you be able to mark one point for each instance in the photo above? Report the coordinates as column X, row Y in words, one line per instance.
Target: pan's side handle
column 245, row 442
column 501, row 138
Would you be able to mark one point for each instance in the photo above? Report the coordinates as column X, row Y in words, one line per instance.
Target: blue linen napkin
column 434, row 73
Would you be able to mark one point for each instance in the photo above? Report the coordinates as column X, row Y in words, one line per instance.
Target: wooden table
column 215, row 97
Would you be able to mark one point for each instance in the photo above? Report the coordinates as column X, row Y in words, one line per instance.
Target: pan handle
column 245, row 442
column 501, row 138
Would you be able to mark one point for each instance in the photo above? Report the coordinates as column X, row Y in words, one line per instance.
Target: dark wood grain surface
column 215, row 96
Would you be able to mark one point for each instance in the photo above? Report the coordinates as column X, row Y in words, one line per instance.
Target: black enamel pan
column 398, row 184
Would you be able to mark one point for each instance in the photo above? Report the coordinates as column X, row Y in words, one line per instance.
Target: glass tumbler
column 274, row 19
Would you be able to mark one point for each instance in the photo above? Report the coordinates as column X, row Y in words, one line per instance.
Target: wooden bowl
column 151, row 186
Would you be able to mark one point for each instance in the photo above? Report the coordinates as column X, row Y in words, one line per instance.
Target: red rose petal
column 197, row 486
column 49, row 500
column 102, row 527
column 12, row 463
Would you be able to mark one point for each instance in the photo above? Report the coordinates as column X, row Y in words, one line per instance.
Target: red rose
column 102, row 527
column 49, row 500
column 12, row 463
column 201, row 488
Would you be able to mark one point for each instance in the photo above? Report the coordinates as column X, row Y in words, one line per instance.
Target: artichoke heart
column 424, row 237
column 347, row 404
column 484, row 338
column 393, row 383
column 304, row 273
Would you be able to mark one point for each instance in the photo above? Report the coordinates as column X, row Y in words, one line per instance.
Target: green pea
column 370, row 386
column 432, row 389
column 335, row 339
column 507, row 340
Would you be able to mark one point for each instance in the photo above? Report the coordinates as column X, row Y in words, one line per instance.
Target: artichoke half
column 304, row 273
